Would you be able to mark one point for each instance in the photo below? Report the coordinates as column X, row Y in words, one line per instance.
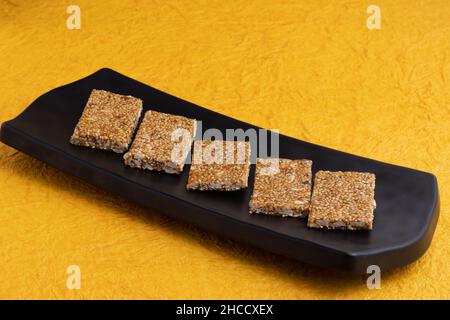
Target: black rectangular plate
column 407, row 200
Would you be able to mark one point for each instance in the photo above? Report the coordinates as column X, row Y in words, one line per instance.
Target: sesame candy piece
column 162, row 143
column 342, row 200
column 219, row 165
column 108, row 121
column 282, row 187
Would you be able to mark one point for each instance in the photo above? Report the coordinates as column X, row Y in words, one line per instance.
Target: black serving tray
column 407, row 200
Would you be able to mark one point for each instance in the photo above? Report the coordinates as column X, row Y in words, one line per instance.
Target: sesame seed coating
column 219, row 165
column 108, row 121
column 342, row 200
column 162, row 142
column 282, row 187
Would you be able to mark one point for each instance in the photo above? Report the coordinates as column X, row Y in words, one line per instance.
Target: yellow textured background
column 309, row 68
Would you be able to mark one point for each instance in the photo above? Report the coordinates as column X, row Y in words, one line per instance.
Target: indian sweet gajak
column 162, row 143
column 342, row 200
column 108, row 121
column 282, row 187
column 219, row 165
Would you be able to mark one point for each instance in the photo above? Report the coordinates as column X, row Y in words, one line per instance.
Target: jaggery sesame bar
column 108, row 121
column 219, row 165
column 282, row 187
column 342, row 200
column 162, row 142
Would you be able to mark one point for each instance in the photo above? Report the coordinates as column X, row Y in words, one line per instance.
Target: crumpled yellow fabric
column 311, row 69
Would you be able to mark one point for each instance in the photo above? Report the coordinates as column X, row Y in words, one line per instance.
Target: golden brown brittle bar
column 342, row 200
column 282, row 187
column 162, row 142
column 219, row 165
column 108, row 121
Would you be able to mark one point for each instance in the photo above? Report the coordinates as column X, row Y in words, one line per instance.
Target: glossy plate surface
column 407, row 200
